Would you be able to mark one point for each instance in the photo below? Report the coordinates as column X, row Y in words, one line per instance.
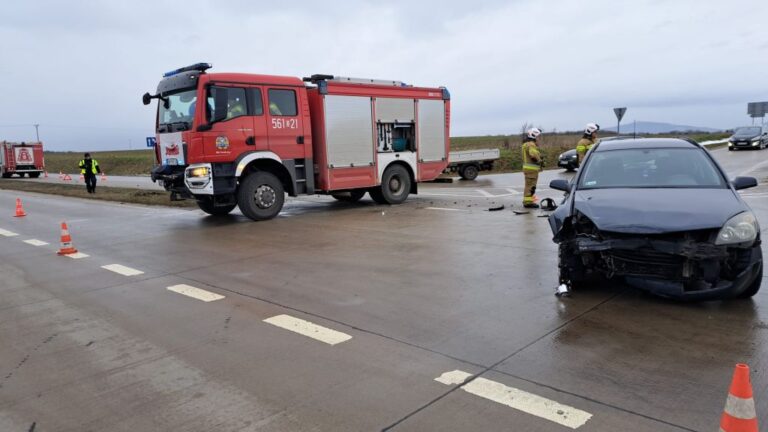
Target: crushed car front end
column 686, row 265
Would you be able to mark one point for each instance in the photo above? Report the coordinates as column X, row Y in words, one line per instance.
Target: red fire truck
column 24, row 158
column 234, row 139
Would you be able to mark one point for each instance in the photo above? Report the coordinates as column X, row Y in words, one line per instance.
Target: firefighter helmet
column 591, row 128
column 533, row 133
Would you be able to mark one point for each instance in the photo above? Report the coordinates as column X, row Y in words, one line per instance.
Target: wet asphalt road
column 436, row 285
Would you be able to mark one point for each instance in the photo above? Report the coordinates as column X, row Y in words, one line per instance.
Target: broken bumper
column 684, row 269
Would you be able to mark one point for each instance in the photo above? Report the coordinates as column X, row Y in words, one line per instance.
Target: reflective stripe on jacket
column 531, row 157
column 94, row 166
column 584, row 144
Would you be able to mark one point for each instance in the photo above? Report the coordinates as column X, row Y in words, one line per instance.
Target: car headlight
column 561, row 156
column 755, row 140
column 198, row 172
column 742, row 228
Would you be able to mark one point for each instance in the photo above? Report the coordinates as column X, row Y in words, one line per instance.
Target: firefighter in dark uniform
column 587, row 141
column 89, row 168
column 532, row 164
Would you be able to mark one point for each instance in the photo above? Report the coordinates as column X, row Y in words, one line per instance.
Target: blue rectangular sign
column 151, row 142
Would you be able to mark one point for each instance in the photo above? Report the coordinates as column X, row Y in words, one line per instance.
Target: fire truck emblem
column 24, row 156
column 222, row 143
column 172, row 150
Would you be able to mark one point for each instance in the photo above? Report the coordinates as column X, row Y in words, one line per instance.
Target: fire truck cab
column 235, row 139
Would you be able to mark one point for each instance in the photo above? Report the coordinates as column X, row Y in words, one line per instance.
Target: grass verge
column 116, row 194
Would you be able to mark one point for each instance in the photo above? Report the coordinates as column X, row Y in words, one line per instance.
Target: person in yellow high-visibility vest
column 532, row 164
column 587, row 141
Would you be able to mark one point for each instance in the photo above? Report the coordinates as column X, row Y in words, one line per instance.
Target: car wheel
column 261, row 196
column 208, row 207
column 7, row 175
column 570, row 167
column 469, row 172
column 395, row 186
column 351, row 196
column 34, row 175
column 754, row 287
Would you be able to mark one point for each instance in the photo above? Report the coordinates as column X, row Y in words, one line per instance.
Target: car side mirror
column 561, row 185
column 744, row 183
column 146, row 99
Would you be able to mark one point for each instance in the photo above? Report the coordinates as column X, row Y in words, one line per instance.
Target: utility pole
column 37, row 132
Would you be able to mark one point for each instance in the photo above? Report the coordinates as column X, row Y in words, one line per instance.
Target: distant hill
column 646, row 127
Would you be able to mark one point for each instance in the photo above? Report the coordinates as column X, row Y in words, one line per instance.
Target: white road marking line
column 123, row 270
column 195, row 293
column 485, row 193
column 6, row 233
column 443, row 209
column 453, row 377
column 518, row 399
column 77, row 255
column 308, row 329
column 513, row 192
column 35, row 242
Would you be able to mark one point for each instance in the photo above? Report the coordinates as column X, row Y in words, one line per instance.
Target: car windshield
column 180, row 111
column 651, row 168
column 747, row 131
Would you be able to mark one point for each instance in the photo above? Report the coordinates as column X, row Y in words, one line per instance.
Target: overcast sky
column 79, row 68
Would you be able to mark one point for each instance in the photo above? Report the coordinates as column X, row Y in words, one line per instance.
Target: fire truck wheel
column 34, row 175
column 208, row 207
column 261, row 195
column 7, row 175
column 351, row 196
column 395, row 186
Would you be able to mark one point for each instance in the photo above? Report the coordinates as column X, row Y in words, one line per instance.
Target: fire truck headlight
column 198, row 172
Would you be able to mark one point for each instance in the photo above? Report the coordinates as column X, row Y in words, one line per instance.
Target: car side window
column 233, row 103
column 282, row 102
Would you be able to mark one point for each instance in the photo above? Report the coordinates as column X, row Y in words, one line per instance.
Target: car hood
column 745, row 136
column 656, row 211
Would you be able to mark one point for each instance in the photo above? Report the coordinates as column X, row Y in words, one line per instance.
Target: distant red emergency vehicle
column 235, row 139
column 21, row 159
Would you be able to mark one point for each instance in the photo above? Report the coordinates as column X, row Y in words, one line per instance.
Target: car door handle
column 251, row 140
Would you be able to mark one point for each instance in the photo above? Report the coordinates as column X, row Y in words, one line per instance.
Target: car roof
column 626, row 144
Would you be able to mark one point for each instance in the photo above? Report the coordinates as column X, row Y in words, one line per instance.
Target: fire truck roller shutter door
column 431, row 130
column 349, row 131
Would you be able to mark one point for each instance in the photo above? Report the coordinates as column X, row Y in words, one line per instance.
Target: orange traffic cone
column 19, row 209
column 67, row 177
column 103, row 176
column 82, row 178
column 61, row 175
column 45, row 174
column 66, row 241
column 739, row 414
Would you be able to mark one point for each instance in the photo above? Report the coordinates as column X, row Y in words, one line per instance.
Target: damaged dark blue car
column 662, row 215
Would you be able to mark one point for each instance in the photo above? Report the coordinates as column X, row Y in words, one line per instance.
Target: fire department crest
column 222, row 143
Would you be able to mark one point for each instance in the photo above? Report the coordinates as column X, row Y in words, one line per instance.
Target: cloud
column 84, row 65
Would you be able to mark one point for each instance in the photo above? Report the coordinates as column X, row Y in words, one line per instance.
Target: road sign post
column 619, row 115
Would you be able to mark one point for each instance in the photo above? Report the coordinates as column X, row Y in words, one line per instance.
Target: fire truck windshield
column 179, row 112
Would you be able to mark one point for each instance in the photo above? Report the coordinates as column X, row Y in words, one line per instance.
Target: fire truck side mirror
column 146, row 99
